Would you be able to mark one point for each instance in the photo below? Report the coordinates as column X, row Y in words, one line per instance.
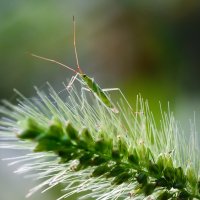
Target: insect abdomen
column 94, row 87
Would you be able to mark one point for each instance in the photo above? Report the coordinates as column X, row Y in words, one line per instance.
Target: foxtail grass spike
column 86, row 147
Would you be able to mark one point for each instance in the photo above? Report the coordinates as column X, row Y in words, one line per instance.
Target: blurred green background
column 149, row 47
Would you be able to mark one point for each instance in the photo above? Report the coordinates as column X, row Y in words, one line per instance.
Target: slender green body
column 94, row 87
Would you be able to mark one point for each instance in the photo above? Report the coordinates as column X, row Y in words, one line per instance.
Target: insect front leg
column 69, row 86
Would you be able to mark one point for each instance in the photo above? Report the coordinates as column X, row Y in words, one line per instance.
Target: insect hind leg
column 83, row 96
column 117, row 89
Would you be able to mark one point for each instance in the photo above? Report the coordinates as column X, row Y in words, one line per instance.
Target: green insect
column 89, row 82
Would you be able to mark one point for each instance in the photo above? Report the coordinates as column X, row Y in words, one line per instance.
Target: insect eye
column 84, row 75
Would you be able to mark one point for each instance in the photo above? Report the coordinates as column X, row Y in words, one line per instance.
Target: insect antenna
column 54, row 61
column 75, row 51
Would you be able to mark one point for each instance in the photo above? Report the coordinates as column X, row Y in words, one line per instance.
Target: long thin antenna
column 54, row 61
column 77, row 62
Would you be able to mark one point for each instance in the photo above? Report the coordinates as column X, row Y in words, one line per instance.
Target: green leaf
column 122, row 146
column 55, row 131
column 169, row 174
column 32, row 130
column 102, row 169
column 164, row 196
column 121, row 178
column 116, row 170
column 28, row 134
column 133, row 158
column 149, row 188
column 154, row 169
column 160, row 162
column 71, row 131
column 184, row 195
column 142, row 178
column 86, row 136
column 191, row 176
column 179, row 178
column 86, row 159
column 102, row 145
column 116, row 154
column 97, row 160
column 161, row 182
column 47, row 145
